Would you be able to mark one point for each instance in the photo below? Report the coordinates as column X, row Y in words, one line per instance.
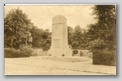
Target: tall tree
column 16, row 29
column 41, row 38
column 77, row 37
column 104, row 29
column 46, row 40
column 37, row 36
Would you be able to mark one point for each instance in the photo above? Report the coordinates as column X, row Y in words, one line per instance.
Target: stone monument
column 59, row 43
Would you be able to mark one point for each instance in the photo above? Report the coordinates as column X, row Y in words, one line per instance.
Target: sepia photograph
column 59, row 39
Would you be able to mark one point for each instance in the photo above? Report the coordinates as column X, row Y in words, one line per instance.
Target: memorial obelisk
column 59, row 41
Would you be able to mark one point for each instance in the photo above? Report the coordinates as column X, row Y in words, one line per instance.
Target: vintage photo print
column 59, row 39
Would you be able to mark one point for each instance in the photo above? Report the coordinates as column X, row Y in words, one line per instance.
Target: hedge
column 104, row 57
column 12, row 53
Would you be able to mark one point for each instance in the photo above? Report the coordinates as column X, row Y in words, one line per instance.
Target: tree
column 41, row 38
column 17, row 29
column 46, row 40
column 37, row 37
column 70, row 35
column 105, row 27
column 77, row 37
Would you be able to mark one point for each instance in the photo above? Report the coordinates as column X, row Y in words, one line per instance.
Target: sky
column 42, row 15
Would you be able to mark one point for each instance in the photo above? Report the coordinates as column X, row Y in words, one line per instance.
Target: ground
column 42, row 65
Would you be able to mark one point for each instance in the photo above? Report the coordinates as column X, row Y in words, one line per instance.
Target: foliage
column 70, row 35
column 76, row 37
column 46, row 40
column 75, row 51
column 37, row 36
column 97, row 44
column 21, row 32
column 41, row 38
column 27, row 50
column 17, row 29
column 12, row 53
column 101, row 35
column 104, row 57
column 103, row 32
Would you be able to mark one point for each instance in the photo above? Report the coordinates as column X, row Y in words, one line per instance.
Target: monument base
column 60, row 52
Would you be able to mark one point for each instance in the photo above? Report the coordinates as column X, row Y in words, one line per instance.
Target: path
column 53, row 66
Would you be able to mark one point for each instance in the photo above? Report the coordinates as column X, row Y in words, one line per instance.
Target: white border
column 53, row 4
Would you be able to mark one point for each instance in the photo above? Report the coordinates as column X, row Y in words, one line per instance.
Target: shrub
column 81, row 53
column 27, row 50
column 97, row 44
column 12, row 53
column 18, row 53
column 63, row 55
column 104, row 57
column 75, row 52
column 8, row 52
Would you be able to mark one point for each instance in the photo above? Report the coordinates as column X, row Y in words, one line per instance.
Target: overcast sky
column 42, row 16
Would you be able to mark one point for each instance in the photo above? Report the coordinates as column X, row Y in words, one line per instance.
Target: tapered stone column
column 59, row 43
